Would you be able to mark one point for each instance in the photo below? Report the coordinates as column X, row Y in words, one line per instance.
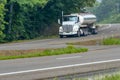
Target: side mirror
column 59, row 21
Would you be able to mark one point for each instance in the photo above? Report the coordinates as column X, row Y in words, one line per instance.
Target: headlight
column 60, row 29
column 93, row 26
column 75, row 28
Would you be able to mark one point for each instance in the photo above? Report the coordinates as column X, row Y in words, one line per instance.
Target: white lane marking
column 58, row 67
column 69, row 57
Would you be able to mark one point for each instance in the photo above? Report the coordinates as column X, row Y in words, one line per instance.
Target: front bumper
column 67, row 34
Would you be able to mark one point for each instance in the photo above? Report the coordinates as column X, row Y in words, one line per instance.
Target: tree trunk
column 10, row 17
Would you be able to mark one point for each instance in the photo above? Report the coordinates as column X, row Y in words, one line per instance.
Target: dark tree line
column 108, row 11
column 27, row 19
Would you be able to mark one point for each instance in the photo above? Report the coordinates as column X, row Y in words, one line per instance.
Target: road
column 106, row 31
column 38, row 68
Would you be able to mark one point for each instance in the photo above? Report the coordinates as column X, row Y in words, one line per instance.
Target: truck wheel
column 94, row 31
column 78, row 33
column 61, row 36
column 85, row 33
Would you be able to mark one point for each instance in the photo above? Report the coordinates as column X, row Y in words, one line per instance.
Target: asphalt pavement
column 38, row 68
column 97, row 58
column 108, row 30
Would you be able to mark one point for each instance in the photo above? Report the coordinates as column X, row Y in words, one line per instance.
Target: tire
column 85, row 33
column 94, row 31
column 78, row 34
column 61, row 36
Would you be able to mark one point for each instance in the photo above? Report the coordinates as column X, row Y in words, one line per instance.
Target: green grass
column 112, row 19
column 113, row 77
column 71, row 79
column 107, row 77
column 111, row 41
column 46, row 52
column 26, row 40
column 107, row 41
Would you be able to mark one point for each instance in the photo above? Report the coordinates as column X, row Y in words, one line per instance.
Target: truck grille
column 67, row 28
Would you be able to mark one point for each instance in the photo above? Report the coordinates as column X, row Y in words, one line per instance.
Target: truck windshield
column 70, row 18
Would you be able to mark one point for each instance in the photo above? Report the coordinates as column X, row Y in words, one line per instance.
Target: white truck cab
column 78, row 24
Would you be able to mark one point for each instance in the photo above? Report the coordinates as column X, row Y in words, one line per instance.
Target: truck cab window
column 70, row 18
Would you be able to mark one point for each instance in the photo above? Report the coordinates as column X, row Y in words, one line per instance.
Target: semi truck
column 78, row 24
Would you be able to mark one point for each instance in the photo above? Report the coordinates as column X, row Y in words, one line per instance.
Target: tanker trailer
column 77, row 25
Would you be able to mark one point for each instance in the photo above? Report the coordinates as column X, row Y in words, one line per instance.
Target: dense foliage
column 27, row 19
column 16, row 54
column 2, row 22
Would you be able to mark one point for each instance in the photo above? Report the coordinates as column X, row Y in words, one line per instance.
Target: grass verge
column 5, row 55
column 27, row 40
column 107, row 41
column 89, row 42
column 111, row 41
column 106, row 77
column 112, row 77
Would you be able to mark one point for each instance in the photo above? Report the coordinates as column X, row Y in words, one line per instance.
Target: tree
column 52, row 10
column 2, row 22
column 107, row 9
column 17, row 9
column 33, row 18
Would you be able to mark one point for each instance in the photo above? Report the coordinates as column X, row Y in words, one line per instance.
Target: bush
column 46, row 52
column 111, row 41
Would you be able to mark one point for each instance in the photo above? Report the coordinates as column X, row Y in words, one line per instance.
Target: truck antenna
column 62, row 17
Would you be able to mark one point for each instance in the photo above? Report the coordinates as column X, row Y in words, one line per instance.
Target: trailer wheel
column 94, row 31
column 78, row 33
column 85, row 33
column 61, row 36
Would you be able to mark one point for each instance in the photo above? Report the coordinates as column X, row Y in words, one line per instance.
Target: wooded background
column 28, row 19
column 108, row 11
